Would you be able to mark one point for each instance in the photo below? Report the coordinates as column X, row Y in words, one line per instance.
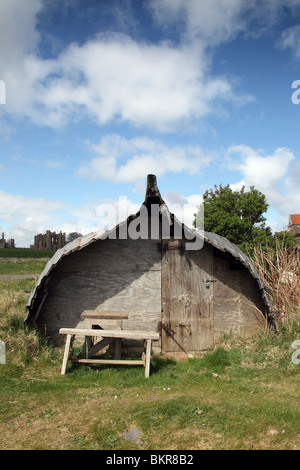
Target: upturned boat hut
column 191, row 286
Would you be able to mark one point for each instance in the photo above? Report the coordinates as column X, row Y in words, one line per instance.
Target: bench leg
column 118, row 348
column 87, row 344
column 148, row 356
column 66, row 354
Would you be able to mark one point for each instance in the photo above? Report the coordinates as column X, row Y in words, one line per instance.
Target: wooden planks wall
column 238, row 305
column 107, row 275
column 129, row 275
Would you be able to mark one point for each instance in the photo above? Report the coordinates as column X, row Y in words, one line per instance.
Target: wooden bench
column 105, row 336
column 98, row 318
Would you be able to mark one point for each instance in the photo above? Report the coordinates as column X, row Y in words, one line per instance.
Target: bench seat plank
column 125, row 334
column 132, row 362
column 105, row 314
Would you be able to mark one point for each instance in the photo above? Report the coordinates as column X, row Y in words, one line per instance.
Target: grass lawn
column 23, row 260
column 12, row 266
column 244, row 394
column 25, row 253
column 183, row 405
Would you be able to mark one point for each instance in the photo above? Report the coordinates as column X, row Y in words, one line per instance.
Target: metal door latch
column 206, row 280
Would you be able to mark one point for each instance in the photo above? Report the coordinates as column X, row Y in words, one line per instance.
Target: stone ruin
column 49, row 241
column 6, row 243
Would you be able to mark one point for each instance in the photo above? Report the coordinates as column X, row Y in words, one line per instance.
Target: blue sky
column 99, row 93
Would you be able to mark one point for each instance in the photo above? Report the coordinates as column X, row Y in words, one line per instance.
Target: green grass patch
column 11, row 266
column 244, row 394
column 93, row 407
column 23, row 261
column 25, row 253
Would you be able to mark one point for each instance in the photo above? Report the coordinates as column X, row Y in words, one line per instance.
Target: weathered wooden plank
column 105, row 314
column 102, row 323
column 238, row 304
column 118, row 348
column 108, row 275
column 87, row 343
column 148, row 355
column 126, row 334
column 97, row 347
column 132, row 362
column 66, row 354
column 186, row 302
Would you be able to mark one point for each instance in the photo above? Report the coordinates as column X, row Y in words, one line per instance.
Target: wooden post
column 87, row 344
column 66, row 354
column 118, row 348
column 148, row 355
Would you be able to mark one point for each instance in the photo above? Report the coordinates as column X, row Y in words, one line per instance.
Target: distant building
column 49, row 241
column 6, row 243
column 294, row 225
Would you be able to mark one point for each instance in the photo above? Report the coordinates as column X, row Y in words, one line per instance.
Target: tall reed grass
column 22, row 345
column 278, row 269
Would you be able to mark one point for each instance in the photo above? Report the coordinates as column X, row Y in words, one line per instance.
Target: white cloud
column 274, row 175
column 12, row 205
column 23, row 217
column 212, row 22
column 183, row 207
column 18, row 43
column 128, row 160
column 105, row 214
column 263, row 171
column 216, row 21
column 290, row 38
column 114, row 77
column 111, row 77
column 26, row 216
column 17, row 28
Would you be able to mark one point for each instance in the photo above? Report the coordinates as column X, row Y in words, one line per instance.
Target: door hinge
column 161, row 326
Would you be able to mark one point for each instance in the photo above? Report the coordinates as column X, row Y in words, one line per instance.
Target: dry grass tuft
column 22, row 345
column 279, row 271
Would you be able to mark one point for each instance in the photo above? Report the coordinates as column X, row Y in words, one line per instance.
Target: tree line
column 239, row 216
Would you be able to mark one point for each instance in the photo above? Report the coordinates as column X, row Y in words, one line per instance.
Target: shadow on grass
column 160, row 363
column 128, row 373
